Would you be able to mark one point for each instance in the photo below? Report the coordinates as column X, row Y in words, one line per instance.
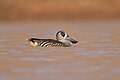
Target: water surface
column 95, row 57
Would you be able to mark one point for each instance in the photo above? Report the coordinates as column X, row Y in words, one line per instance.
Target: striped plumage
column 45, row 42
column 63, row 40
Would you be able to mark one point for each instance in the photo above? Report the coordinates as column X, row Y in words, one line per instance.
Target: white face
column 61, row 35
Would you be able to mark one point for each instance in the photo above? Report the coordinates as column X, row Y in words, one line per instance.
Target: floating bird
column 62, row 40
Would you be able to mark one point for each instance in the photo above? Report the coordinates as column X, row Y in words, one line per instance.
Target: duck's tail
column 29, row 39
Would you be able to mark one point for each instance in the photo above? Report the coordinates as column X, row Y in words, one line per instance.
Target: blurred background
column 95, row 24
column 59, row 9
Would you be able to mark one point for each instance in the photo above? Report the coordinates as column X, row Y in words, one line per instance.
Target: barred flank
column 46, row 42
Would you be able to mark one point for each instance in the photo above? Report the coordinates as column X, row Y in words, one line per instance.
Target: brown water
column 95, row 57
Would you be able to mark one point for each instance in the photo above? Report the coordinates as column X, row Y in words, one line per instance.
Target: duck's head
column 64, row 37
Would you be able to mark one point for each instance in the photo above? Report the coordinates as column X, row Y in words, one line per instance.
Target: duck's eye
column 68, row 36
column 63, row 34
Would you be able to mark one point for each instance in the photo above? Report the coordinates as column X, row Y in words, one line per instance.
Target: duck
column 62, row 40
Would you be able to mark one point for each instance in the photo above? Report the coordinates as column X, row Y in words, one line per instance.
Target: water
column 95, row 57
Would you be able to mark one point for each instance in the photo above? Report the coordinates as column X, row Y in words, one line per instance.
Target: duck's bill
column 72, row 40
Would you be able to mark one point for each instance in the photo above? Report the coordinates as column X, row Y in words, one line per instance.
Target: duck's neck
column 66, row 43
